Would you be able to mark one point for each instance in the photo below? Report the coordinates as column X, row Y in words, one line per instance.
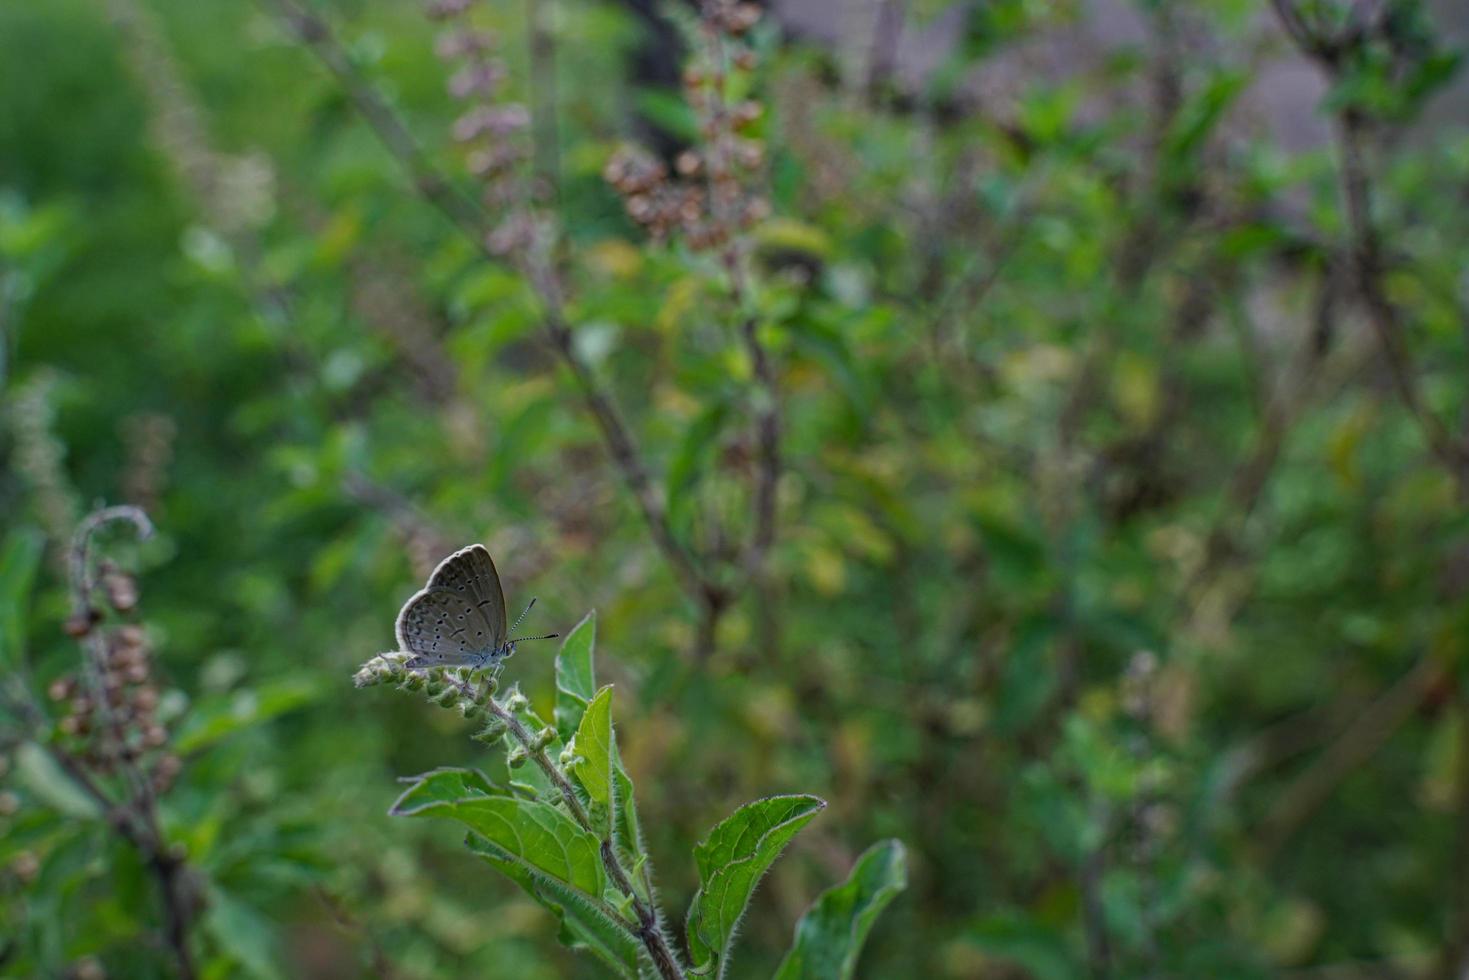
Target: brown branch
column 540, row 16
column 136, row 819
column 1374, row 725
column 428, row 180
column 1364, row 240
column 1383, row 313
column 1333, row 52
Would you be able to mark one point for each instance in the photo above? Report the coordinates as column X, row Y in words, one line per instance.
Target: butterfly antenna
column 529, row 606
column 548, row 636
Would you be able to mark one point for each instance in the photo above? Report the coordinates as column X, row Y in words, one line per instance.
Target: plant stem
column 136, row 819
column 648, row 929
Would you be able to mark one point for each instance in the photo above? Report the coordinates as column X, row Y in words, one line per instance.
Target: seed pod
column 748, row 112
column 122, row 591
column 80, row 623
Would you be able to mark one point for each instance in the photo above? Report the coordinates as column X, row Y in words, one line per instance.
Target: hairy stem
column 649, row 928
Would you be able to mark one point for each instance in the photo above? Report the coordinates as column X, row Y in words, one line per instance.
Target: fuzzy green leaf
column 830, row 935
column 575, row 679
column 627, row 835
column 213, row 719
column 537, row 837
column 594, row 749
column 731, row 861
column 584, row 925
column 440, row 786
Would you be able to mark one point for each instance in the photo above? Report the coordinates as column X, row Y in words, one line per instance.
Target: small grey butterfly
column 458, row 619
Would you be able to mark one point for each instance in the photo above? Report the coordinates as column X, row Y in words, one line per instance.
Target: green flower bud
column 491, row 734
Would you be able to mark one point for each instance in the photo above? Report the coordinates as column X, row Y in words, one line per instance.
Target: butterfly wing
column 471, row 574
column 444, row 629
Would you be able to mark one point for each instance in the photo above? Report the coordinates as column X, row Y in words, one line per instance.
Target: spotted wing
column 443, row 628
column 470, row 573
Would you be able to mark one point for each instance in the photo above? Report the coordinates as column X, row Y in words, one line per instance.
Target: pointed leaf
column 585, row 925
column 731, row 861
column 575, row 679
column 441, row 786
column 830, row 935
column 537, row 837
column 594, row 748
column 40, row 773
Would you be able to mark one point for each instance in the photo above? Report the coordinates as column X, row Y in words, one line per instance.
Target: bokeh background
column 1119, row 557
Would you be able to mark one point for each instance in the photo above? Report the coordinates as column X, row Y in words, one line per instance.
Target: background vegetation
column 1046, row 455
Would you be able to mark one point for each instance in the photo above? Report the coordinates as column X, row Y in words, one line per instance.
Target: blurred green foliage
column 1112, row 575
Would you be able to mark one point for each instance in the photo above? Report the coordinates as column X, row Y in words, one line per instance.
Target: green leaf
column 594, row 749
column 441, row 786
column 1200, row 116
column 536, row 837
column 215, row 719
column 670, row 113
column 584, row 925
column 575, row 679
column 41, row 774
column 731, row 861
column 830, row 935
column 244, row 934
column 18, row 562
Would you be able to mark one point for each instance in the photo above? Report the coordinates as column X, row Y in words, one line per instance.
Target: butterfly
column 458, row 618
